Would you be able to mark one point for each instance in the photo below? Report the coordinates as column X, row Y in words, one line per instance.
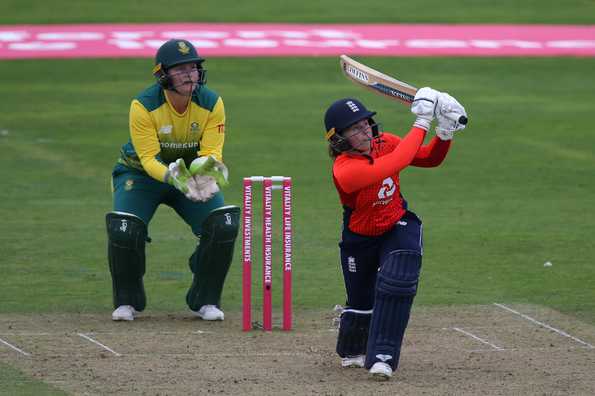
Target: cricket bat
column 380, row 83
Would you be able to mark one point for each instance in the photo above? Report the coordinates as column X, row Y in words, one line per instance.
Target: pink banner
column 215, row 39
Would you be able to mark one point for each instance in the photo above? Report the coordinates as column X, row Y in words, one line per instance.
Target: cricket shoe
column 209, row 312
column 381, row 371
column 124, row 312
column 353, row 361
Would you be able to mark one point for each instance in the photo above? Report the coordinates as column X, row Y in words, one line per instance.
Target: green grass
column 513, row 193
column 311, row 11
column 14, row 382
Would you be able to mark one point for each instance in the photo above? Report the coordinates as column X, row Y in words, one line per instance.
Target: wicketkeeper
column 381, row 242
column 173, row 157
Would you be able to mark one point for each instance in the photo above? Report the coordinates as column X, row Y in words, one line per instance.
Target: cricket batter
column 381, row 242
column 174, row 123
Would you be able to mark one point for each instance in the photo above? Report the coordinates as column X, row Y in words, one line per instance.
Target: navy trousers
column 361, row 256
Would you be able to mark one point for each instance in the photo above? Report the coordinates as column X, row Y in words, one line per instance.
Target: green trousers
column 139, row 194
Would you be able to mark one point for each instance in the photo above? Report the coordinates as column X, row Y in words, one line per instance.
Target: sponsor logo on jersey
column 194, row 127
column 166, row 129
column 173, row 145
column 386, row 192
column 388, row 188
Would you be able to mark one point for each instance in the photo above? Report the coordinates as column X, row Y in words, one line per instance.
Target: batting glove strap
column 444, row 134
column 423, row 123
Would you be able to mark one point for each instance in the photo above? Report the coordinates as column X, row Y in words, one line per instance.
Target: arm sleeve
column 432, row 154
column 353, row 175
column 213, row 137
column 143, row 136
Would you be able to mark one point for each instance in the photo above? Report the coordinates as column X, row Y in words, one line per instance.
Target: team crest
column 183, row 48
column 128, row 184
column 194, row 127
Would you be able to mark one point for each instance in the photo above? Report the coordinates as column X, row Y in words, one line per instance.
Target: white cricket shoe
column 353, row 361
column 209, row 312
column 124, row 312
column 381, row 371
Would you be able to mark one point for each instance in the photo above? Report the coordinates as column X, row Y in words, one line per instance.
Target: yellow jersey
column 160, row 135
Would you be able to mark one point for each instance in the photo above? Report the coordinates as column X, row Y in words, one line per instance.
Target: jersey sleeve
column 213, row 137
column 431, row 154
column 353, row 173
column 143, row 136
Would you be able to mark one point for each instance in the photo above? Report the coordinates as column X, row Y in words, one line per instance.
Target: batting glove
column 423, row 106
column 449, row 113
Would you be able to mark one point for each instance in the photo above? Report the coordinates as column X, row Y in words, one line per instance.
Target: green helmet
column 172, row 53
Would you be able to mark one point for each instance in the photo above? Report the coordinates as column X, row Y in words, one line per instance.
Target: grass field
column 516, row 190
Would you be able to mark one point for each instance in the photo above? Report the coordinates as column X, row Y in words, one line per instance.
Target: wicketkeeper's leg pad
column 396, row 286
column 127, row 235
column 212, row 258
column 353, row 332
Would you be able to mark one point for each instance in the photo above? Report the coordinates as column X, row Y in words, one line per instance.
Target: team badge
column 128, row 184
column 183, row 48
column 194, row 127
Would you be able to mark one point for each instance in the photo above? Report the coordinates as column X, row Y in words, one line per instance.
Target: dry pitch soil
column 474, row 350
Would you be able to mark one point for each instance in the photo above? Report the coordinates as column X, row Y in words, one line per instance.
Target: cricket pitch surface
column 489, row 350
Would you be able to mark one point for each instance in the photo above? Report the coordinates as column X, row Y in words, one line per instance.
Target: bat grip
column 463, row 120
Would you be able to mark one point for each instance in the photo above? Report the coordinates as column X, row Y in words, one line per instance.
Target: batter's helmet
column 176, row 52
column 342, row 114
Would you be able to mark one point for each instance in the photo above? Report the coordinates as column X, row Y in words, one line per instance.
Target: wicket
column 268, row 185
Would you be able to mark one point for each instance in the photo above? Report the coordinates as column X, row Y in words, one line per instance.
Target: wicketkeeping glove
column 204, row 188
column 423, row 106
column 179, row 175
column 209, row 166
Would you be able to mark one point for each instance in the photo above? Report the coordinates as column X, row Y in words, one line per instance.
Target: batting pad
column 396, row 286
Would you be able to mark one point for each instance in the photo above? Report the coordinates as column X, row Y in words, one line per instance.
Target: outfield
column 515, row 192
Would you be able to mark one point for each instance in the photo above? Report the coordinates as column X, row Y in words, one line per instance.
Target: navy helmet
column 176, row 52
column 341, row 115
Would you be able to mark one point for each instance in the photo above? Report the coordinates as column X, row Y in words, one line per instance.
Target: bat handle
column 463, row 120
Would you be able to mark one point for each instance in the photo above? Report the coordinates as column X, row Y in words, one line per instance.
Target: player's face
column 184, row 78
column 359, row 136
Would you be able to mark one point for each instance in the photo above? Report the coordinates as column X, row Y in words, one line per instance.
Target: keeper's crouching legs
column 127, row 235
column 212, row 258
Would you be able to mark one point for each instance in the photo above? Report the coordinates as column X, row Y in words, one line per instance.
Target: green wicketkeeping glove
column 179, row 175
column 209, row 166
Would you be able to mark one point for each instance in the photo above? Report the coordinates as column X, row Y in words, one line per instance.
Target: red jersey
column 371, row 189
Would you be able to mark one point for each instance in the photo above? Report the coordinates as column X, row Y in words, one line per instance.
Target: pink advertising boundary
column 273, row 40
